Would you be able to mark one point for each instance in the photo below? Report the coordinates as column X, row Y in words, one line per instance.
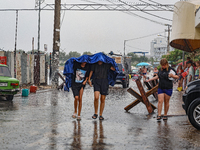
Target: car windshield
column 4, row 71
column 134, row 70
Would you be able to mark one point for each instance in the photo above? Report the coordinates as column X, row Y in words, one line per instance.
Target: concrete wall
column 25, row 67
column 42, row 69
column 18, row 68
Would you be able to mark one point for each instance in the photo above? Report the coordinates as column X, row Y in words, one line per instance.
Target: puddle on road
column 43, row 121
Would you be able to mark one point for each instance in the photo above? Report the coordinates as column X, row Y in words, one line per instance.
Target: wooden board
column 144, row 97
column 137, row 101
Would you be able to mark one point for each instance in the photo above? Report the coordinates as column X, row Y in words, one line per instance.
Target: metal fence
column 30, row 68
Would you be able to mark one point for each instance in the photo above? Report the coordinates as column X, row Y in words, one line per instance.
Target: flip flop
column 79, row 118
column 74, row 116
column 94, row 116
column 159, row 118
column 165, row 117
column 101, row 118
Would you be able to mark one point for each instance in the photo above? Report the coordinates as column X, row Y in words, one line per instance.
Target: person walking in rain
column 101, row 85
column 166, row 74
column 79, row 79
column 144, row 71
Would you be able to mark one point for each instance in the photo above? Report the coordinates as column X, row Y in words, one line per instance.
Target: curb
column 39, row 91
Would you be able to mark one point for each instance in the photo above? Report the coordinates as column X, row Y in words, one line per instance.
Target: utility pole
column 56, row 43
column 39, row 26
column 37, row 58
column 124, row 47
column 33, row 46
column 168, row 39
column 15, row 44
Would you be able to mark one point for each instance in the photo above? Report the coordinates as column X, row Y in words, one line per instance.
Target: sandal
column 94, row 116
column 165, row 117
column 74, row 116
column 79, row 118
column 159, row 118
column 101, row 118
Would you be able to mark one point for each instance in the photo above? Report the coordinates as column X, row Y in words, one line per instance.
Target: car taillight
column 123, row 78
column 123, row 69
column 14, row 84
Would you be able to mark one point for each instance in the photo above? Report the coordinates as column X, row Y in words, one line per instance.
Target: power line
column 145, row 36
column 137, row 48
column 145, row 11
column 133, row 14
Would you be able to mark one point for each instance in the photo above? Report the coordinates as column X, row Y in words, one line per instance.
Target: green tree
column 87, row 53
column 151, row 60
column 73, row 54
column 175, row 56
column 134, row 57
column 143, row 59
column 62, row 55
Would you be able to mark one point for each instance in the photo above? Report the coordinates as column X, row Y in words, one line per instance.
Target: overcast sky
column 94, row 31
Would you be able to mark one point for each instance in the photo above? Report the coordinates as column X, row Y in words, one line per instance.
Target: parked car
column 8, row 86
column 135, row 74
column 191, row 105
column 135, row 71
column 122, row 77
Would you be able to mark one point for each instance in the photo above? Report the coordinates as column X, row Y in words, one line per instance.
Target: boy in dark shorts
column 100, row 84
column 79, row 79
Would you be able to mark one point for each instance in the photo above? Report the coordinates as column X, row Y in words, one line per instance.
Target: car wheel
column 194, row 113
column 128, row 83
column 124, row 85
column 9, row 97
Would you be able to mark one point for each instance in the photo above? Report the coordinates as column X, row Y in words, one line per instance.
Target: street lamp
column 125, row 47
column 125, row 44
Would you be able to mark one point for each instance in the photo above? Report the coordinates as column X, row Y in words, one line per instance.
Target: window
column 4, row 71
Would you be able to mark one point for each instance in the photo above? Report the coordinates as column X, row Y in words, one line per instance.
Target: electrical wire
column 145, row 36
column 145, row 11
column 137, row 48
column 134, row 14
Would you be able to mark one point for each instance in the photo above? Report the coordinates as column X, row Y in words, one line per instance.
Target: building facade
column 159, row 48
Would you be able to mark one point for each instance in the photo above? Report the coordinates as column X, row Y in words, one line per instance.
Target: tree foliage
column 175, row 56
column 137, row 59
column 87, row 53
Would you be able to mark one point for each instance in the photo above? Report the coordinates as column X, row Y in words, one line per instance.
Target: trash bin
column 33, row 89
column 25, row 92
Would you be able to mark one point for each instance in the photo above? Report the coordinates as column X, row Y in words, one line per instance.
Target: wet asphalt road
column 43, row 121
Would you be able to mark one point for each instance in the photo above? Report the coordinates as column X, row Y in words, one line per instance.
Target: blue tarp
column 91, row 59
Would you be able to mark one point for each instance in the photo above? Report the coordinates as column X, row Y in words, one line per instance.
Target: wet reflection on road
column 53, row 121
column 76, row 143
column 43, row 121
column 98, row 136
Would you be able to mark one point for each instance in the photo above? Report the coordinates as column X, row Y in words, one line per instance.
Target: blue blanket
column 91, row 59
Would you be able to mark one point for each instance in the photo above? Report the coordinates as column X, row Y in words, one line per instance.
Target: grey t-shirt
column 190, row 73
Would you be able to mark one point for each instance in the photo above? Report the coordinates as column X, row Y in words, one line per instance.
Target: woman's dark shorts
column 76, row 88
column 166, row 91
column 180, row 77
column 101, row 85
